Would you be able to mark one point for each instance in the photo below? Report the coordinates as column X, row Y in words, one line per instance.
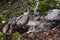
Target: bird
column 24, row 18
column 20, row 24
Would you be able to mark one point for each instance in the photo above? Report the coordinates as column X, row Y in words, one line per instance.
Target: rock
column 33, row 23
column 53, row 15
column 57, row 18
column 45, row 26
column 36, row 18
column 31, row 29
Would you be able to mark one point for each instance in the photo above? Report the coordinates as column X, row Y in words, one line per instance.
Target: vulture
column 22, row 20
column 17, row 24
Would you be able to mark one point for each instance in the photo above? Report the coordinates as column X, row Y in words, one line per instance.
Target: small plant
column 2, row 36
column 16, row 36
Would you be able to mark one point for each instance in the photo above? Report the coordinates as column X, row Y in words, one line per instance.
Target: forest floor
column 15, row 6
column 49, row 35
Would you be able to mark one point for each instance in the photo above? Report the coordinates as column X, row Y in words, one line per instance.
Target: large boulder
column 45, row 26
column 53, row 14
